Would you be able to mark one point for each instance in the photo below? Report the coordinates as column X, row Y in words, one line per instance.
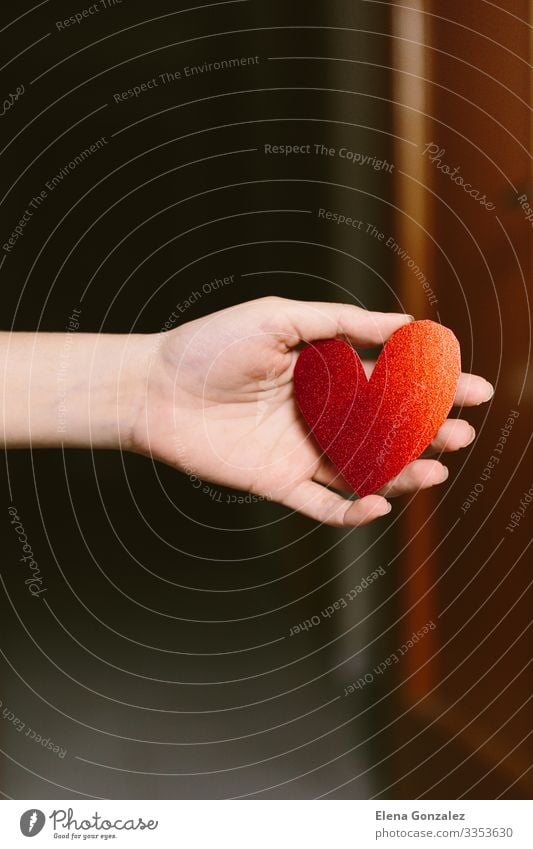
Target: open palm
column 219, row 404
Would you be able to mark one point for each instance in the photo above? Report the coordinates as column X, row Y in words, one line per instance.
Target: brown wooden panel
column 463, row 84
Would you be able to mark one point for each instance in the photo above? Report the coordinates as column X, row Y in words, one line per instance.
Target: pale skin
column 212, row 398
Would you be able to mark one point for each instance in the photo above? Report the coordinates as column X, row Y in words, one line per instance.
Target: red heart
column 371, row 429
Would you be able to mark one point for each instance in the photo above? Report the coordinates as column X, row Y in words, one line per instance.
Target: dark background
column 160, row 651
column 159, row 657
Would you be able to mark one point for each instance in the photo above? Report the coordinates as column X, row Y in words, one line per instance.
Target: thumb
column 312, row 320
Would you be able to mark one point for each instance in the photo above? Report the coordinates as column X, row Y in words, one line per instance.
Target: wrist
column 116, row 390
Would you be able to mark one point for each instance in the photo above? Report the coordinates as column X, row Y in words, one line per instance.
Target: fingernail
column 386, row 509
column 444, row 474
column 472, row 437
column 400, row 315
column 490, row 393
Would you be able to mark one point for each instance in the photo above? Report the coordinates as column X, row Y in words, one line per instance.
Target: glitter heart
column 371, row 429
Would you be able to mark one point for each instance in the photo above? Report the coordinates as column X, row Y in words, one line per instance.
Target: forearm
column 71, row 389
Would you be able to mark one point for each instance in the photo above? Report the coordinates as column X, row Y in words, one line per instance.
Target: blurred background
column 159, row 663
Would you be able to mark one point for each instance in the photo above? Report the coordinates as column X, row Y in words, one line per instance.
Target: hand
column 217, row 402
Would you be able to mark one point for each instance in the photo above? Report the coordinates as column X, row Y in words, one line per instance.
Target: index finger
column 472, row 390
column 313, row 320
